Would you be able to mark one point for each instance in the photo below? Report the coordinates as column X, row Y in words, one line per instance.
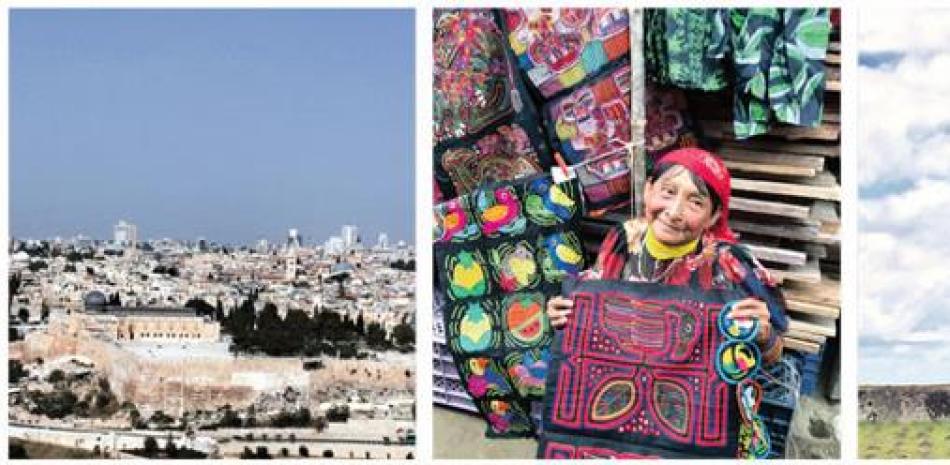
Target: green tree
column 170, row 450
column 14, row 283
column 269, row 331
column 17, row 451
column 376, row 336
column 56, row 376
column 361, row 325
column 201, row 307
column 230, row 419
column 135, row 418
column 240, row 324
column 56, row 404
column 150, row 447
column 295, row 324
column 404, row 335
column 16, row 371
column 37, row 265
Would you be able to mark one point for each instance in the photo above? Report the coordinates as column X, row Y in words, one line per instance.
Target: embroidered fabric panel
column 633, row 372
column 669, row 125
column 594, row 119
column 505, row 153
column 686, row 47
column 559, row 48
column 500, row 252
column 606, row 183
column 471, row 74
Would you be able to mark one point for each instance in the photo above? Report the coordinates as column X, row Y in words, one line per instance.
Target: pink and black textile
column 486, row 129
column 633, row 375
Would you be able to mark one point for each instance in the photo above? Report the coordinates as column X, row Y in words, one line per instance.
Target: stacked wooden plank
column 786, row 204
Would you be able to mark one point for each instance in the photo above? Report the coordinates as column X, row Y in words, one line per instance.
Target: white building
column 351, row 236
column 335, row 245
column 383, row 242
column 125, row 234
column 293, row 238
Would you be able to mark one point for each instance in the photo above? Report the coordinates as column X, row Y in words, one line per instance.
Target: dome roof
column 94, row 299
column 342, row 268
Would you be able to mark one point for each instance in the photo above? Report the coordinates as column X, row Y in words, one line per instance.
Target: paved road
column 109, row 440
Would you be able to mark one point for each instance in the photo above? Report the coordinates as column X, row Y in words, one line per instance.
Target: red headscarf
column 711, row 170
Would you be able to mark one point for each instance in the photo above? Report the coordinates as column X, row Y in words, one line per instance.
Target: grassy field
column 913, row 440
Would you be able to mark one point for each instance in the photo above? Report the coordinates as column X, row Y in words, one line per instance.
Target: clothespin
column 560, row 162
column 564, row 173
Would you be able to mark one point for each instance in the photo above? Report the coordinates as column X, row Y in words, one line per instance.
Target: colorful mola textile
column 472, row 77
column 669, row 125
column 486, row 129
column 594, row 119
column 500, row 252
column 559, row 48
column 505, row 153
column 633, row 374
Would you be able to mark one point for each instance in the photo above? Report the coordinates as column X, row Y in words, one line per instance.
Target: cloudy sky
column 904, row 190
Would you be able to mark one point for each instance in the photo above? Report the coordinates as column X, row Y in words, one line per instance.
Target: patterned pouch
column 606, row 183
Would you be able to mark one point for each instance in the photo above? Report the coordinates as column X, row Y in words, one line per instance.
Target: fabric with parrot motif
column 501, row 251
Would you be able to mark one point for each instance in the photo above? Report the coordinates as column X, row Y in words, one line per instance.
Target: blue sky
column 227, row 124
column 904, row 193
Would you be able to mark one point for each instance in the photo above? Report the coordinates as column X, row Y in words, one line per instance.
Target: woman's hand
column 559, row 310
column 752, row 308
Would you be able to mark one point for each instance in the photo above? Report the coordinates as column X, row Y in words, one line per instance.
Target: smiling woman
column 684, row 239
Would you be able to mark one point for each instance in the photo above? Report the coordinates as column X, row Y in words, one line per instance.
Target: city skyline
column 223, row 124
column 366, row 239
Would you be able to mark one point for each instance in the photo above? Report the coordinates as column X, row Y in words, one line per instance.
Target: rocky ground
column 815, row 432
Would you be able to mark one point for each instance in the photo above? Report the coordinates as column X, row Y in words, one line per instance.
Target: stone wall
column 207, row 383
column 904, row 402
